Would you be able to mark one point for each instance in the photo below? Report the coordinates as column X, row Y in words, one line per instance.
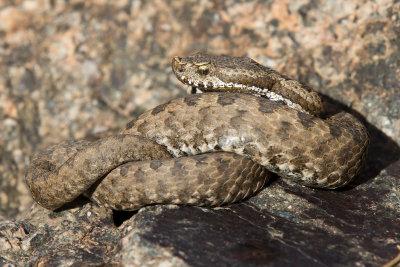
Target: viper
column 213, row 147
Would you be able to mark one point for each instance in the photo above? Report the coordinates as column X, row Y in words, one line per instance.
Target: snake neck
column 207, row 73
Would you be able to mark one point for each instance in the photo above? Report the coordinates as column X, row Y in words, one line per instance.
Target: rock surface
column 72, row 68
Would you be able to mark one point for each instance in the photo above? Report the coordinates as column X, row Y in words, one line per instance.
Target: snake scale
column 207, row 149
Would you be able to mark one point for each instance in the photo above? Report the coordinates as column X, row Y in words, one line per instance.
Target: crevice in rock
column 119, row 216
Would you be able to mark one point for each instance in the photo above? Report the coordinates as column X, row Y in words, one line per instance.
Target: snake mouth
column 193, row 76
column 197, row 75
column 199, row 87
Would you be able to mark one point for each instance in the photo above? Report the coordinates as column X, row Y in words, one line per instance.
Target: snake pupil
column 203, row 70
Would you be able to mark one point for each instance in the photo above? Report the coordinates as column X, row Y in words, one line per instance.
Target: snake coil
column 207, row 149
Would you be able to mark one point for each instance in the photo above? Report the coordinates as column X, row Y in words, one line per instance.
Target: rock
column 83, row 235
column 72, row 68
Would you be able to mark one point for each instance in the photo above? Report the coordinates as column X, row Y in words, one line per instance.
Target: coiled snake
column 207, row 149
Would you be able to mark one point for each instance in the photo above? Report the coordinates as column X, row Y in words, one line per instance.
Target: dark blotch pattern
column 200, row 159
column 228, row 99
column 130, row 124
column 178, row 169
column 141, row 127
column 124, row 170
column 266, row 106
column 191, row 100
column 139, row 174
column 159, row 109
column 306, row 120
column 335, row 131
column 155, row 164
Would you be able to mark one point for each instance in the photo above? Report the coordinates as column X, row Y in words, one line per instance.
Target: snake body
column 209, row 149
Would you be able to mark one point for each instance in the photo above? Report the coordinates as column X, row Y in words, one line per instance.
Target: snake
column 218, row 145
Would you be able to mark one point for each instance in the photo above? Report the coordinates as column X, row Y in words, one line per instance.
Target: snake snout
column 177, row 64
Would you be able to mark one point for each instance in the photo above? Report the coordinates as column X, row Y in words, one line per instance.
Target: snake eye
column 203, row 70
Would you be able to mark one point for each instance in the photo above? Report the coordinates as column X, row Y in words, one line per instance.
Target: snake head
column 210, row 73
column 197, row 71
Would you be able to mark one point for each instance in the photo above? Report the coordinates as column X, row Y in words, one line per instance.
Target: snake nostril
column 177, row 64
column 174, row 62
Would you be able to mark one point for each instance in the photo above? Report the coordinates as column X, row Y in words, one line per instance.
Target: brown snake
column 161, row 156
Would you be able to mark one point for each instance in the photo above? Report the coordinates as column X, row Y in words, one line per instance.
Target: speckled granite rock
column 72, row 68
column 84, row 235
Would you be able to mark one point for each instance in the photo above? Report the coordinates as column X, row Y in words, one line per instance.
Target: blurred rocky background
column 69, row 68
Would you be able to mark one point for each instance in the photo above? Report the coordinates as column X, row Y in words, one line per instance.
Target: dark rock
column 84, row 235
